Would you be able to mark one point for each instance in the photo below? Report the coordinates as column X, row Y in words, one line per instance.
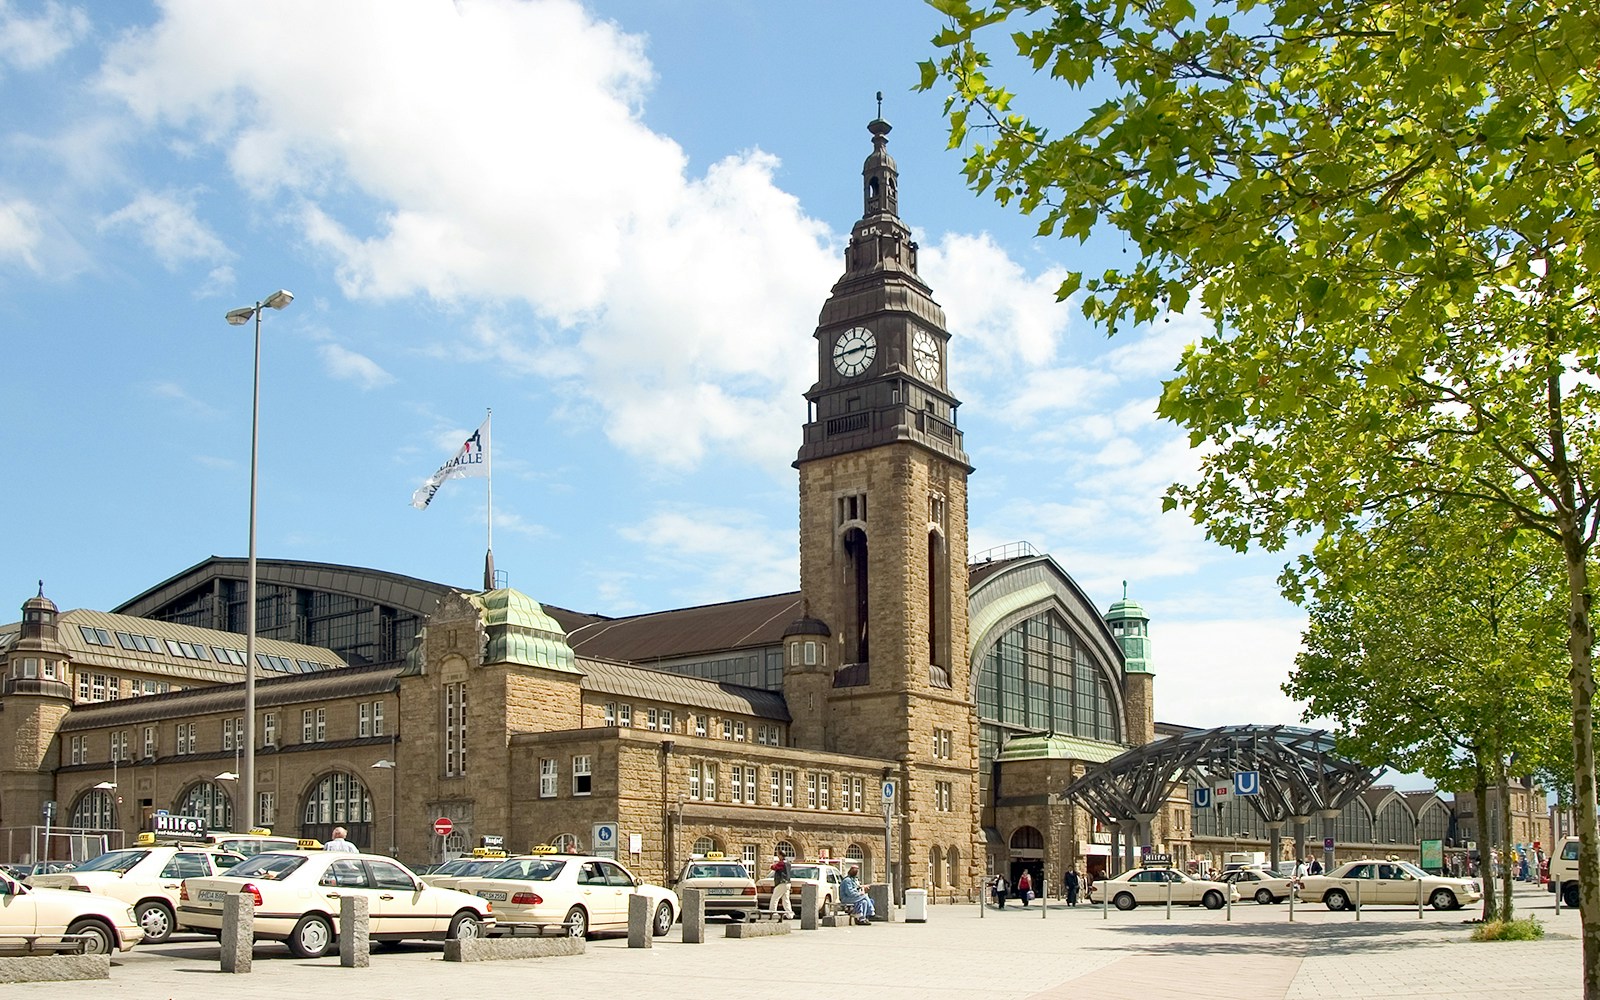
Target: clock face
column 926, row 351
column 854, row 350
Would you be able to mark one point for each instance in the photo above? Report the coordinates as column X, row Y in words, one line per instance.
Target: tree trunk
column 1507, row 874
column 1480, row 795
column 1580, row 645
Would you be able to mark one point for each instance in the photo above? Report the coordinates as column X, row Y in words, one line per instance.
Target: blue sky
column 614, row 223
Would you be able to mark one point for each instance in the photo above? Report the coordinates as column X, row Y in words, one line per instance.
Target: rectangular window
column 113, row 688
column 826, row 791
column 625, row 716
column 76, row 745
column 708, row 782
column 83, row 687
column 266, row 808
column 699, row 725
column 307, row 725
column 857, row 786
column 364, row 724
column 122, row 745
column 750, row 785
column 694, row 780
column 580, row 775
column 611, row 713
column 942, row 797
column 455, row 729
column 149, row 741
column 650, row 719
column 738, row 731
column 775, row 787
column 727, row 729
column 322, row 725
column 98, row 687
column 811, row 790
column 666, row 720
column 736, row 783
column 377, row 718
column 788, row 788
column 227, row 734
column 269, row 728
column 749, row 855
column 547, row 777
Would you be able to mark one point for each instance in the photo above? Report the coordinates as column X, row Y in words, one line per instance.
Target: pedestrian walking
column 1002, row 888
column 1072, row 886
column 1025, row 887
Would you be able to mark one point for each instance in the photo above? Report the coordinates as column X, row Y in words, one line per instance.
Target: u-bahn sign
column 1247, row 782
column 1202, row 798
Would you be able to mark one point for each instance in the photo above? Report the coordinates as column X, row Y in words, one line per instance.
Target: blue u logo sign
column 1246, row 782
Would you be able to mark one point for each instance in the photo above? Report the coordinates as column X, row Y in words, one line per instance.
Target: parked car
column 257, row 841
column 730, row 891
column 1150, row 886
column 1369, row 882
column 824, row 876
column 580, row 892
column 1563, row 871
column 296, row 896
column 106, row 925
column 482, row 862
column 1260, row 885
column 22, row 869
column 146, row 878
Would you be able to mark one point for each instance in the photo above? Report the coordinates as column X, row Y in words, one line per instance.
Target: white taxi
column 582, row 893
column 146, row 877
column 1387, row 883
column 729, row 890
column 1151, row 886
column 1262, row 886
column 252, row 843
column 481, row 863
column 296, row 897
column 820, row 874
column 105, row 925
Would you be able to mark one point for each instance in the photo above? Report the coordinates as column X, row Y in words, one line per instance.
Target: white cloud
column 169, row 227
column 19, row 232
column 178, row 394
column 30, row 43
column 998, row 311
column 646, row 284
column 1224, row 671
column 732, row 552
column 347, row 365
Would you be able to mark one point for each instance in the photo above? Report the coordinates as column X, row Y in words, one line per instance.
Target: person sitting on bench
column 855, row 898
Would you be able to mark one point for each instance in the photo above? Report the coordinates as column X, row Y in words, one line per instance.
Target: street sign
column 1247, row 782
column 1327, row 843
column 178, row 826
column 605, row 840
column 442, row 826
column 1202, row 798
column 1221, row 792
column 888, row 791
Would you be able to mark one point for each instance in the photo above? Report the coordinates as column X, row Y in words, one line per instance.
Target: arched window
column 210, row 802
column 938, row 602
column 1027, row 838
column 565, row 843
column 1354, row 825
column 855, row 554
column 1434, row 823
column 785, row 848
column 705, row 845
column 1395, row 824
column 95, row 810
column 953, row 859
column 339, row 799
column 855, row 855
column 935, row 867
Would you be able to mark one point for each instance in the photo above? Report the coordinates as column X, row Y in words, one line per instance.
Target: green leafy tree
column 1434, row 645
column 1390, row 212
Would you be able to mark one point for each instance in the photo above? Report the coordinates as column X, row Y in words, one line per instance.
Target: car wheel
column 1336, row 900
column 1264, row 896
column 156, row 920
column 311, row 937
column 1442, row 899
column 1212, row 900
column 1124, row 901
column 663, row 921
column 97, row 938
column 1569, row 895
column 577, row 922
column 465, row 926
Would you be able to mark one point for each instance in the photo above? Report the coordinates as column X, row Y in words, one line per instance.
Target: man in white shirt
column 338, row 843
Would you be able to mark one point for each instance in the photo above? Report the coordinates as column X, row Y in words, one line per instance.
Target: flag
column 472, row 460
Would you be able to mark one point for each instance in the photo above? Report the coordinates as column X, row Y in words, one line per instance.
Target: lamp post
column 239, row 317
column 394, row 805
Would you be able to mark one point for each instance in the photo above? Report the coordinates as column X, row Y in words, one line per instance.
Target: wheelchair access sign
column 1247, row 782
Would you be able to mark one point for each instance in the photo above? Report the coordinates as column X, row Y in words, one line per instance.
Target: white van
column 1564, row 871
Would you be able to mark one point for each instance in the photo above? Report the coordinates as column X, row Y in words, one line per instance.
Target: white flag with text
column 472, row 460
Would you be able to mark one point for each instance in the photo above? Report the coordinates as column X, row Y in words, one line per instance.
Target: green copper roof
column 1055, row 746
column 1125, row 608
column 520, row 632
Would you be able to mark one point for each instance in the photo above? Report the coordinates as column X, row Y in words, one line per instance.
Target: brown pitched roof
column 756, row 621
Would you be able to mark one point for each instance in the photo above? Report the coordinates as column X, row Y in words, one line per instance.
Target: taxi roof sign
column 260, row 831
column 542, row 849
column 308, row 844
column 488, row 852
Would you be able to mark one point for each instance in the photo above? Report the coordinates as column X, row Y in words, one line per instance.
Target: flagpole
column 488, row 461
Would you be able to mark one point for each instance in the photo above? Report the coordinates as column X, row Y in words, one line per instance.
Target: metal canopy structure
column 1300, row 777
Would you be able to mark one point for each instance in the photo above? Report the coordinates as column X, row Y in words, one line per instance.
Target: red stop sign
column 442, row 826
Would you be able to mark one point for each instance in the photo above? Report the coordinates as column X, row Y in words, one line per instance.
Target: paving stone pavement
column 1015, row 954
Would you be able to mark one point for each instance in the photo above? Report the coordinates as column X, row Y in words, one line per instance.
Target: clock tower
column 883, row 543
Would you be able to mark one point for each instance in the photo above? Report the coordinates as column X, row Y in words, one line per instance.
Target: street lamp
column 239, row 317
column 394, row 806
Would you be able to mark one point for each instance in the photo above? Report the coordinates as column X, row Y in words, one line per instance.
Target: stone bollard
column 882, row 904
column 639, row 911
column 810, row 902
column 694, row 915
column 238, row 931
column 355, row 924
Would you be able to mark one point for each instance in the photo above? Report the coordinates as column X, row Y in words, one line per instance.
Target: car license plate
column 212, row 894
column 724, row 892
column 492, row 896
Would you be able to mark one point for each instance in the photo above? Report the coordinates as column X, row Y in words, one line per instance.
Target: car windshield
column 1411, row 869
column 477, row 866
column 252, row 846
column 272, row 867
column 451, row 867
column 715, row 871
column 531, row 869
column 113, row 861
column 806, row 871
